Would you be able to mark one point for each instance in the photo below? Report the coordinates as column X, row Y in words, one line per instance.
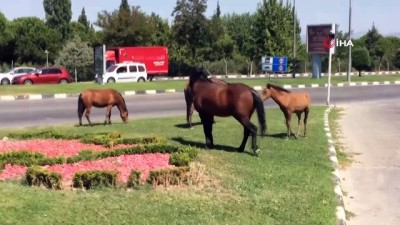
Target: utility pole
column 294, row 40
column 349, row 66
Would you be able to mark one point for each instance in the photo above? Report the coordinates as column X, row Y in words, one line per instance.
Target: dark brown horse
column 237, row 100
column 289, row 103
column 101, row 98
column 189, row 100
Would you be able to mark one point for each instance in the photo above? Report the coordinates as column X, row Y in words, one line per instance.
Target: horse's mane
column 278, row 88
column 124, row 106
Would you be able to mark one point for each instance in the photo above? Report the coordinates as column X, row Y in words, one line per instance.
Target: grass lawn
column 179, row 85
column 290, row 183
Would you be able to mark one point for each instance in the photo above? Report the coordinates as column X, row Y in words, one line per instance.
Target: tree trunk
column 359, row 73
column 226, row 66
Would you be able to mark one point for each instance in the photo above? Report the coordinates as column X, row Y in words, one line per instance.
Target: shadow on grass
column 95, row 124
column 278, row 135
column 201, row 145
column 185, row 125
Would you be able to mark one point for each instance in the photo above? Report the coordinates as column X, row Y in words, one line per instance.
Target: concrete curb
column 152, row 92
column 284, row 75
column 340, row 210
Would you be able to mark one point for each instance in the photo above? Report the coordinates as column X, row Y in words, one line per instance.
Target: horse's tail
column 81, row 105
column 259, row 106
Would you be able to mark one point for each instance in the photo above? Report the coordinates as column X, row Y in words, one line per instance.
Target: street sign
column 274, row 64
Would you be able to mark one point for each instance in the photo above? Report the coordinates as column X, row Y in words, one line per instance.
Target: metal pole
column 349, row 66
column 47, row 58
column 294, row 39
column 329, row 79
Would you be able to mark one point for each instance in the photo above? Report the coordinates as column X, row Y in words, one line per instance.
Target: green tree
column 126, row 27
column 124, row 6
column 77, row 54
column 190, row 25
column 58, row 16
column 32, row 38
column 85, row 34
column 83, row 19
column 274, row 29
column 371, row 43
column 361, row 59
column 162, row 32
column 5, row 37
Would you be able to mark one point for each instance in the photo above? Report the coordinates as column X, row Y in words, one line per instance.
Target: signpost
column 275, row 64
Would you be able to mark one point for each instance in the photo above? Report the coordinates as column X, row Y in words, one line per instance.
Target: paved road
column 24, row 113
column 372, row 182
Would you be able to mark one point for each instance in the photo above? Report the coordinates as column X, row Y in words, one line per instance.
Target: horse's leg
column 298, row 123
column 288, row 116
column 80, row 114
column 87, row 113
column 207, row 121
column 108, row 115
column 249, row 128
column 306, row 111
column 189, row 107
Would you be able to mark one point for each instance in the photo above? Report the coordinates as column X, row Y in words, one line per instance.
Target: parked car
column 126, row 72
column 7, row 77
column 47, row 75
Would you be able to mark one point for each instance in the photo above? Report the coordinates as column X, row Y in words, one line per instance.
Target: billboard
column 317, row 36
column 276, row 64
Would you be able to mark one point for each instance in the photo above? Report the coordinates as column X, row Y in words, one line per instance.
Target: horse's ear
column 268, row 85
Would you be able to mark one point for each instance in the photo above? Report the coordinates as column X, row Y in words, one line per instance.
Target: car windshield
column 112, row 68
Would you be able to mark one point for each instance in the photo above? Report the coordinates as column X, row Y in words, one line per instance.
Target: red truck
column 155, row 58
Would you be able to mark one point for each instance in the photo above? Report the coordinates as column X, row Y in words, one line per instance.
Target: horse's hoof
column 257, row 152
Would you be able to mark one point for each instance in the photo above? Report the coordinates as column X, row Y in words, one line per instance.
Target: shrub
column 166, row 177
column 134, row 179
column 95, row 178
column 37, row 176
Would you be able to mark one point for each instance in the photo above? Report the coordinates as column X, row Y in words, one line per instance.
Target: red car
column 46, row 75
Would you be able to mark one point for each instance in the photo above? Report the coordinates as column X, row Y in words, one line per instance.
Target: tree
column 124, row 6
column 371, row 43
column 361, row 59
column 274, row 29
column 85, row 34
column 31, row 39
column 58, row 16
column 83, row 19
column 78, row 55
column 126, row 27
column 162, row 32
column 190, row 25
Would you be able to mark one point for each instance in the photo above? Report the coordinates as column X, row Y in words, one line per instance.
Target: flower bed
column 53, row 148
column 93, row 159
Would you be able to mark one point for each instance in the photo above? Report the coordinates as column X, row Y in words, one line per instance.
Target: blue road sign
column 275, row 64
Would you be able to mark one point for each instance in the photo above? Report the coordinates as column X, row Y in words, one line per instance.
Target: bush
column 37, row 176
column 95, row 178
column 134, row 179
column 166, row 177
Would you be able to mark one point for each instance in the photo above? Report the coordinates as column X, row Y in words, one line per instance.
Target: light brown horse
column 236, row 100
column 189, row 100
column 289, row 103
column 101, row 98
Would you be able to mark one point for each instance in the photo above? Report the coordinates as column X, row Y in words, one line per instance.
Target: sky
column 384, row 13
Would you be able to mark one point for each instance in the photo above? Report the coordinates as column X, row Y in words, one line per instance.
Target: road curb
column 340, row 210
column 153, row 92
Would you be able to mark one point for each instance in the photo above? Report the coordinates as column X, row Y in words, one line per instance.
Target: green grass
column 179, row 85
column 290, row 183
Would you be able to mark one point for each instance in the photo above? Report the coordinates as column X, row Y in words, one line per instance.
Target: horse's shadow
column 278, row 135
column 93, row 124
column 185, row 125
column 202, row 145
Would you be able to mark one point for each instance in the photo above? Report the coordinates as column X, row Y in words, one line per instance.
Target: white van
column 126, row 72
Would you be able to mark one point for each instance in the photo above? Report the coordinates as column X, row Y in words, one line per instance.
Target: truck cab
column 125, row 72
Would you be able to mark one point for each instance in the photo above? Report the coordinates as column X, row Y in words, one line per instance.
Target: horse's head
column 266, row 93
column 124, row 116
column 197, row 73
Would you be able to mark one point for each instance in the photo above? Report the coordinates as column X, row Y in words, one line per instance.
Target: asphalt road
column 26, row 113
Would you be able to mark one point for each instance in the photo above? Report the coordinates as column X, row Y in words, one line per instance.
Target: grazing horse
column 238, row 100
column 289, row 102
column 189, row 100
column 101, row 98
